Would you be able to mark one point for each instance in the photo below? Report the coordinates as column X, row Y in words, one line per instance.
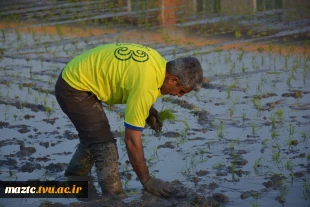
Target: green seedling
column 276, row 154
column 243, row 68
column 243, row 116
column 228, row 94
column 258, row 88
column 238, row 34
column 253, row 129
column 48, row 112
column 232, row 146
column 18, row 35
column 257, row 164
column 274, row 134
column 186, row 124
column 266, row 143
column 166, row 115
column 257, row 103
column 241, row 55
column 220, row 130
column 306, row 190
column 232, row 69
column 150, row 160
column 262, row 60
column 202, row 152
column 282, row 194
column 270, row 47
column 289, row 165
column 291, row 129
column 233, row 168
column 279, row 114
column 304, row 136
column 218, row 166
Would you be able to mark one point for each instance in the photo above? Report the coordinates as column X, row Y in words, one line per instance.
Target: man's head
column 182, row 76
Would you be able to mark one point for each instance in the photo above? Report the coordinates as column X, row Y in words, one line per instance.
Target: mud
column 25, row 151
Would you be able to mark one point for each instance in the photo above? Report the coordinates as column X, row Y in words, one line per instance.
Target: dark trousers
column 85, row 111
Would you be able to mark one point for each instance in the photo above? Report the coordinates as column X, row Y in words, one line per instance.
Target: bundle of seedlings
column 166, row 115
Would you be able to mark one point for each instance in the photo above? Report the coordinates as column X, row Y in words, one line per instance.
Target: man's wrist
column 145, row 180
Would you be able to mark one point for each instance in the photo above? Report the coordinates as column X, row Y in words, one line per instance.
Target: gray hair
column 188, row 70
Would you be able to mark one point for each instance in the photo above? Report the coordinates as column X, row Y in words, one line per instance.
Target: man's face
column 171, row 87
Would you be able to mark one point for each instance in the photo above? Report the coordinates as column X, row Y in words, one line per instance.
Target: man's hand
column 154, row 121
column 158, row 187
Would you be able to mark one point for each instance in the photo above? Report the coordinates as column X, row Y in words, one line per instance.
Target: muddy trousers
column 97, row 144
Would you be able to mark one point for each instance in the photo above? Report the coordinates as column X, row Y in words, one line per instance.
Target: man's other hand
column 154, row 121
column 158, row 187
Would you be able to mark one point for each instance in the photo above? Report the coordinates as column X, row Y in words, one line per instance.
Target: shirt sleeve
column 138, row 105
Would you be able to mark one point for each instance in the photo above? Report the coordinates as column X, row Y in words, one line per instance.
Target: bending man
column 120, row 73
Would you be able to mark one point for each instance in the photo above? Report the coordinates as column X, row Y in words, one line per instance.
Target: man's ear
column 173, row 79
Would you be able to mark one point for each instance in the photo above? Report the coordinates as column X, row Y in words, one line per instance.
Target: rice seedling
column 166, row 115
column 193, row 161
column 291, row 129
column 243, row 69
column 276, row 154
column 232, row 146
column 289, row 165
column 202, row 158
column 282, row 193
column 186, row 169
column 254, row 203
column 274, row 134
column 279, row 113
column 304, row 136
column 232, row 68
column 18, row 35
column 125, row 182
column 186, row 124
column 258, row 88
column 253, row 129
column 262, row 60
column 257, row 164
column 7, row 112
column 240, row 56
column 265, row 143
column 220, row 130
column 306, row 190
column 233, row 168
column 150, row 159
column 257, row 103
column 228, row 94
column 218, row 166
column 238, row 34
column 48, row 112
column 243, row 116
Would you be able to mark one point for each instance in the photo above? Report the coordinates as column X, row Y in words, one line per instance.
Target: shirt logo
column 123, row 54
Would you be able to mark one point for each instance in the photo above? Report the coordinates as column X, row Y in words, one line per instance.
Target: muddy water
column 243, row 140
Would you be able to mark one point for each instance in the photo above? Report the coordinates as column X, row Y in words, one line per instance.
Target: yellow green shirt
column 121, row 73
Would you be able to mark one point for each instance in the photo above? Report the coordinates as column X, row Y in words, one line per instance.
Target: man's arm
column 136, row 157
column 136, row 154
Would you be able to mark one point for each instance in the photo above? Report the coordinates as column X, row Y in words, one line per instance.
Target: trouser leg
column 106, row 162
column 81, row 163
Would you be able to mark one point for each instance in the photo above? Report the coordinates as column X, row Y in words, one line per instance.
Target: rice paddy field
column 243, row 140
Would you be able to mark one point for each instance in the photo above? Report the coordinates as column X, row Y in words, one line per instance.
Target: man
column 120, row 73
